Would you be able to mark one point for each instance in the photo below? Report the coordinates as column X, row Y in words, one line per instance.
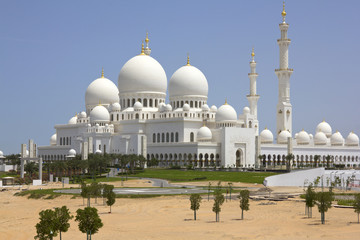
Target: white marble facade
column 134, row 118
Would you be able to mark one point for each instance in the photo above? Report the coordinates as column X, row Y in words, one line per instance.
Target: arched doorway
column 239, row 158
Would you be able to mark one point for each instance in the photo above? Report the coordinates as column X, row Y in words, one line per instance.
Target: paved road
column 156, row 191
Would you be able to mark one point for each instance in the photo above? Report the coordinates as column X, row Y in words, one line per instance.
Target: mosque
column 134, row 118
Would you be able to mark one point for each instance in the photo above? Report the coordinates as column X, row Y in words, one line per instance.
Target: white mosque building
column 133, row 118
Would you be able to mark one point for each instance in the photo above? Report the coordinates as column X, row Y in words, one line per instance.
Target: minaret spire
column 188, row 60
column 147, row 49
column 102, row 72
column 284, row 107
column 253, row 98
column 283, row 13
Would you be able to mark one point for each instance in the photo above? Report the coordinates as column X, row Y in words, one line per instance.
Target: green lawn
column 193, row 175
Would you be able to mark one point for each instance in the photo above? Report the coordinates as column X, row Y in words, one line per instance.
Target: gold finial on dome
column 226, row 101
column 265, row 128
column 142, row 48
column 252, row 52
column 99, row 103
column 102, row 72
column 188, row 60
column 147, row 37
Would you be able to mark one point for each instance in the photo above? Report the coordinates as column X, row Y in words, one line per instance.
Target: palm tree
column 316, row 159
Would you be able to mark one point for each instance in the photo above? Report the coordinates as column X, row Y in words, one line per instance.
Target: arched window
column 191, row 104
column 163, row 137
column 158, row 137
column 172, row 137
column 150, row 102
column 128, row 103
column 176, row 137
column 196, row 104
column 167, row 137
column 154, row 137
column 67, row 141
column 60, row 141
column 156, row 102
column 191, row 137
column 145, row 102
column 133, row 102
column 137, row 116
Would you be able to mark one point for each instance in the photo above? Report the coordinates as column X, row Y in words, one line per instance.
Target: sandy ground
column 171, row 218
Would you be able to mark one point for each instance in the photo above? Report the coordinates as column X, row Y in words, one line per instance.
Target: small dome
column 115, row 107
column 325, row 128
column 101, row 90
column 213, row 108
column 188, row 81
column 352, row 140
column 89, row 125
column 106, row 125
column 168, row 107
column 266, row 136
column 226, row 113
column 73, row 120
column 53, row 140
column 1, row 154
column 72, row 153
column 83, row 114
column 97, row 125
column 296, row 135
column 303, row 138
column 320, row 138
column 283, row 137
column 204, row 134
column 205, row 108
column 337, row 139
column 99, row 114
column 138, row 106
column 161, row 106
column 311, row 136
column 98, row 151
column 186, row 107
column 142, row 73
column 246, row 110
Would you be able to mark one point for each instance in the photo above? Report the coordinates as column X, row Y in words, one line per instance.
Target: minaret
column 253, row 97
column 147, row 49
column 284, row 108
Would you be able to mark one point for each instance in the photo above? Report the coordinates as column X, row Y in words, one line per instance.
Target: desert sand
column 170, row 217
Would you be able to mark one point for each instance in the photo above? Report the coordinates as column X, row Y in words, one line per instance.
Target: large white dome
column 266, row 136
column 320, row 138
column 204, row 134
column 53, row 140
column 103, row 91
column 188, row 81
column 226, row 113
column 337, row 139
column 283, row 137
column 73, row 120
column 99, row 115
column 325, row 128
column 142, row 73
column 352, row 140
column 303, row 138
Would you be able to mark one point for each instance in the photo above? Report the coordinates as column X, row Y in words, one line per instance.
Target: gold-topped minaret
column 283, row 13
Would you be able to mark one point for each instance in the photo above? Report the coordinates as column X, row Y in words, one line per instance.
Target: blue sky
column 50, row 51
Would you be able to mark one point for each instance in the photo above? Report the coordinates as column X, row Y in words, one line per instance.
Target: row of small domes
column 323, row 132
